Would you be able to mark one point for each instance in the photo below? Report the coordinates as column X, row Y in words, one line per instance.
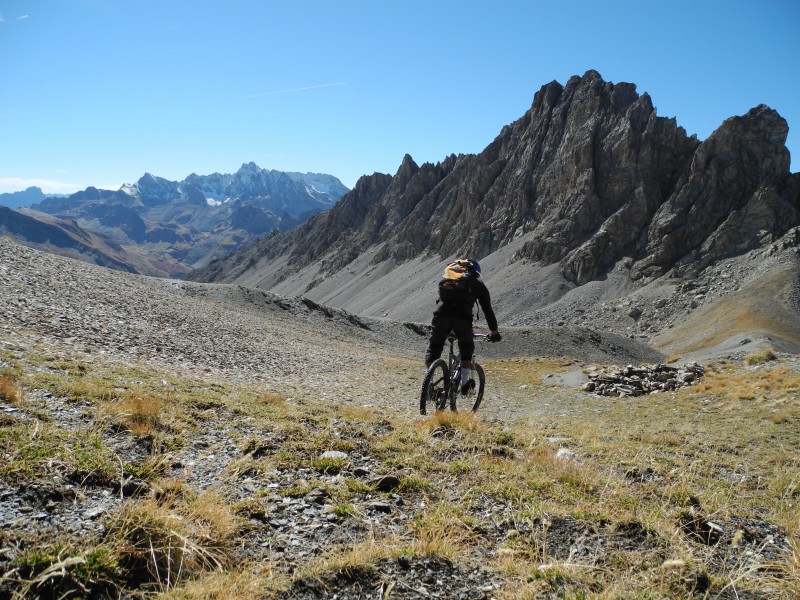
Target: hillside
column 67, row 238
column 589, row 204
column 194, row 440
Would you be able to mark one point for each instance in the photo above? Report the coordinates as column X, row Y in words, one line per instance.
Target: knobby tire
column 480, row 384
column 434, row 387
column 476, row 373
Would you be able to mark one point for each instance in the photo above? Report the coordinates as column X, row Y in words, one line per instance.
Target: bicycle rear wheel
column 480, row 383
column 434, row 387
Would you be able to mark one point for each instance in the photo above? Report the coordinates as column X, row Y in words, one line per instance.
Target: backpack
column 455, row 287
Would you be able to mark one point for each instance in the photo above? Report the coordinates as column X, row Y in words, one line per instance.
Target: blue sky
column 98, row 92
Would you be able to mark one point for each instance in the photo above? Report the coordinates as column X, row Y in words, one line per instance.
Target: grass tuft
column 10, row 389
column 760, row 357
column 136, row 412
column 66, row 571
column 271, row 399
column 173, row 537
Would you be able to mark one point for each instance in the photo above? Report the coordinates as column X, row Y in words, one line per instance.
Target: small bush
column 10, row 390
column 760, row 357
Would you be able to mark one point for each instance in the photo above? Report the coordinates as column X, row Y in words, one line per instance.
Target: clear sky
column 98, row 92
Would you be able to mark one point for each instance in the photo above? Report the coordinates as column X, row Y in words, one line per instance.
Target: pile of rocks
column 636, row 381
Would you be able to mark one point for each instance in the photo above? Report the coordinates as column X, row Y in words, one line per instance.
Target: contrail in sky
column 311, row 87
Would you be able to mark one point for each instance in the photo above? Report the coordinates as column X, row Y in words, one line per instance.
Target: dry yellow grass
column 445, row 421
column 175, row 536
column 442, row 532
column 231, row 585
column 769, row 382
column 136, row 412
column 525, row 371
column 271, row 398
column 358, row 558
column 760, row 357
column 10, row 390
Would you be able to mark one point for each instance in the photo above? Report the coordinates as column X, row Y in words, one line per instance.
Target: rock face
column 183, row 225
column 588, row 179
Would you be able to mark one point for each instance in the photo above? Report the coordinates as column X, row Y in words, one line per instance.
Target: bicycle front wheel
column 434, row 387
column 480, row 383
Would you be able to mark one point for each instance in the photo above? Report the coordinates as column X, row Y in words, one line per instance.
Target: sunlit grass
column 469, row 489
column 760, row 357
column 136, row 412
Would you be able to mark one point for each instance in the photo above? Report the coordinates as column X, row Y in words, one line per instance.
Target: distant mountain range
column 28, row 197
column 176, row 226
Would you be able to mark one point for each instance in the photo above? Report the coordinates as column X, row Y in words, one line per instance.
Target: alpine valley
column 590, row 209
column 254, row 431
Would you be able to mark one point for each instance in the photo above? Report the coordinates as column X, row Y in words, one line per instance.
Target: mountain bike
column 442, row 383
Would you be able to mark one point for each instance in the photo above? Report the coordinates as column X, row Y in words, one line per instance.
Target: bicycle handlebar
column 483, row 336
column 487, row 337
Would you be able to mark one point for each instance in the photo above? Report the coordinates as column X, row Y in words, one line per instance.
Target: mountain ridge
column 589, row 185
column 67, row 238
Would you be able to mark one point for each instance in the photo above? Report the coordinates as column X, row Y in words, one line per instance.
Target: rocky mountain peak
column 408, row 168
column 589, row 181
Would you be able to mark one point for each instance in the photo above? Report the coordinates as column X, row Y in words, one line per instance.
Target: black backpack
column 455, row 287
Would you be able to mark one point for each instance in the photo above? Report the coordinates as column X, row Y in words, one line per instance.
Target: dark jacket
column 480, row 293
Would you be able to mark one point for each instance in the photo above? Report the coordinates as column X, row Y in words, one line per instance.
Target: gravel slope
column 241, row 334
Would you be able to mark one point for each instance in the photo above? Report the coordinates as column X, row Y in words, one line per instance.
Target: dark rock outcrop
column 589, row 176
column 736, row 194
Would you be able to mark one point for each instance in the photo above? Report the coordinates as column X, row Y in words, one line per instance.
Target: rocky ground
column 239, row 336
column 245, row 335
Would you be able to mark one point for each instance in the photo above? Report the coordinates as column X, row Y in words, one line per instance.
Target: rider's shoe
column 468, row 387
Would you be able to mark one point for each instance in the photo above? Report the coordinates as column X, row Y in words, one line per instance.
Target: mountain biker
column 456, row 315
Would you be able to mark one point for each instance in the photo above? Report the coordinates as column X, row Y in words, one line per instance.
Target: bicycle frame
column 442, row 383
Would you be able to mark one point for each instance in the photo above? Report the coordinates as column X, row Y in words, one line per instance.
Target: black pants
column 442, row 326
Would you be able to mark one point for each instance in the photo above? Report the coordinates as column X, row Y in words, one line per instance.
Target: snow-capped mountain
column 186, row 224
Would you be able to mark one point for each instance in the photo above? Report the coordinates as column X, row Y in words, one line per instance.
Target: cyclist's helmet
column 475, row 265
